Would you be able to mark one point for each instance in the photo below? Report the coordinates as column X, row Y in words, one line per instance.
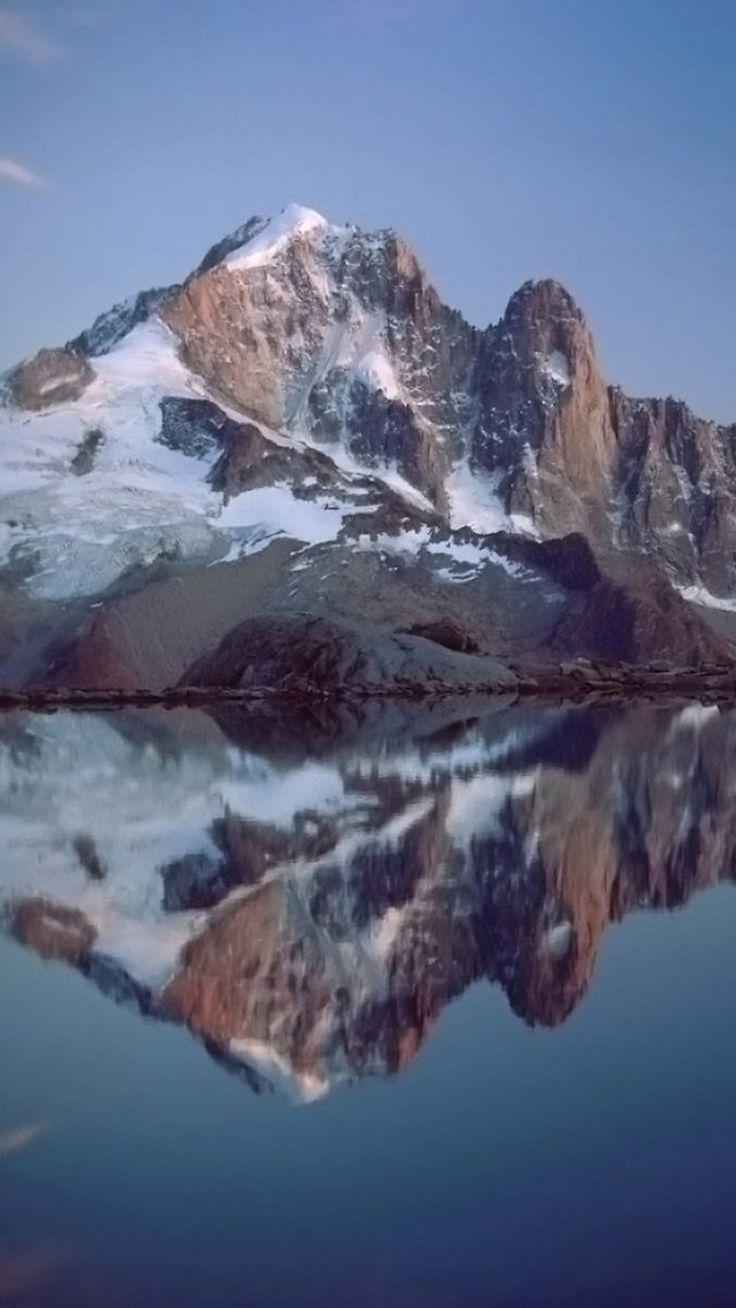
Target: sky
column 593, row 141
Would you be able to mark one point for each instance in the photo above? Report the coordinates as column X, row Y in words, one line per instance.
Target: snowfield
column 75, row 535
column 67, row 535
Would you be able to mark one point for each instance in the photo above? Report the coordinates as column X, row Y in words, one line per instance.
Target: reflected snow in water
column 338, row 1009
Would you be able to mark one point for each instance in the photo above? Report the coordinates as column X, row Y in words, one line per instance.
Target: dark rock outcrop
column 297, row 652
column 633, row 624
column 110, row 327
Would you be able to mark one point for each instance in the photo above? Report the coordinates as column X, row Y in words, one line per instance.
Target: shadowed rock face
column 635, row 475
column 309, row 917
column 675, row 475
column 302, row 652
column 618, row 623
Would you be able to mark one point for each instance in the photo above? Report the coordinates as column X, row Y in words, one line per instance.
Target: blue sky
column 589, row 140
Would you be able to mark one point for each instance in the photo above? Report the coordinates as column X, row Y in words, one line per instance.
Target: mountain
column 308, row 895
column 303, row 429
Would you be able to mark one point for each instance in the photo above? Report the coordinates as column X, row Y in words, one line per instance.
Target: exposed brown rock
column 53, row 931
column 53, row 376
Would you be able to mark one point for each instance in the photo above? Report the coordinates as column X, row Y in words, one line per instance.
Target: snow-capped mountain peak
column 294, row 222
column 306, row 384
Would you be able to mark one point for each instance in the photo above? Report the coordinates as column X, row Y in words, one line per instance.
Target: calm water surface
column 425, row 1009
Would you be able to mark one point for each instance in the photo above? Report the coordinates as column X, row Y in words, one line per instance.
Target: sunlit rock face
column 308, row 911
column 303, row 420
column 337, row 334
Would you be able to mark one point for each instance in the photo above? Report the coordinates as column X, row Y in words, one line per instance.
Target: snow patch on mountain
column 467, row 558
column 557, row 367
column 140, row 500
column 271, row 511
column 75, row 536
column 699, row 595
column 293, row 221
column 376, row 371
column 475, row 503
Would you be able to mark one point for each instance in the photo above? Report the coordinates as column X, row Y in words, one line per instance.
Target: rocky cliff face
column 336, row 335
column 544, row 430
column 673, row 480
column 637, row 476
column 307, row 382
column 310, row 916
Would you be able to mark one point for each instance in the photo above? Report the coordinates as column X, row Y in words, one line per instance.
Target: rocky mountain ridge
column 303, row 425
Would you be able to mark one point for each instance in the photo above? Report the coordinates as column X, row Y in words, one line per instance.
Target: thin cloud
column 20, row 1137
column 21, row 36
column 16, row 174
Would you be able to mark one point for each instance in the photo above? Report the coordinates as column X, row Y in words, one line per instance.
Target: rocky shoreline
column 582, row 680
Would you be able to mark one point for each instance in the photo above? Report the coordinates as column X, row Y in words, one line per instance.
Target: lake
column 420, row 1007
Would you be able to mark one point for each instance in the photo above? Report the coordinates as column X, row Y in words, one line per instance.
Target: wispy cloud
column 20, row 1137
column 17, row 174
column 21, row 35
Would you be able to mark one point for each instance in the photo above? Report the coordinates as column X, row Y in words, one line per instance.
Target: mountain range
column 301, row 464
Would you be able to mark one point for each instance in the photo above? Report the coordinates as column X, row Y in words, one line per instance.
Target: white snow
column 77, row 535
column 375, row 369
column 404, row 488
column 61, row 379
column 475, row 803
column 696, row 715
column 699, row 595
column 140, row 498
column 674, row 529
column 149, row 810
column 467, row 558
column 301, row 1087
column 472, row 755
column 267, row 795
column 475, row 503
column 145, row 803
column 293, row 221
column 70, row 536
column 557, row 940
column 557, row 366
column 271, row 511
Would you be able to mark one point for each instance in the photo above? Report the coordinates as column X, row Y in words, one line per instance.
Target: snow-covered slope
column 66, row 533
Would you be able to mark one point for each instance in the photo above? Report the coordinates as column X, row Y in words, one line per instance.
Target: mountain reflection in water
column 307, row 895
